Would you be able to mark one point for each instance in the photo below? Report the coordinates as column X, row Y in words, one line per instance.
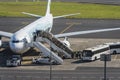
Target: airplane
column 21, row 41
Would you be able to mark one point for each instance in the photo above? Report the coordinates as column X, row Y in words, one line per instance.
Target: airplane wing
column 35, row 15
column 5, row 34
column 65, row 15
column 85, row 32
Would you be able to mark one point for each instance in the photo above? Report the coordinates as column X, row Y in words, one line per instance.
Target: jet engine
column 66, row 42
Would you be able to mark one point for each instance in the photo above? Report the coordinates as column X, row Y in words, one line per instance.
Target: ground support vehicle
column 14, row 61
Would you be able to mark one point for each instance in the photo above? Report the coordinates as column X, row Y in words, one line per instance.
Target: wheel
column 37, row 62
column 53, row 62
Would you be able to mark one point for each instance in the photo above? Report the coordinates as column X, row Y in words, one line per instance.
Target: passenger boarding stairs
column 48, row 53
column 55, row 43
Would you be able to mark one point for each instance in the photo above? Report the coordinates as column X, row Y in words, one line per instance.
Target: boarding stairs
column 48, row 53
column 56, row 44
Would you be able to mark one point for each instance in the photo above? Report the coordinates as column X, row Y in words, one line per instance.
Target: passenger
column 40, row 34
column 72, row 55
column 53, row 39
column 34, row 36
column 76, row 55
column 37, row 32
column 63, row 57
column 79, row 55
column 50, row 36
column 43, row 34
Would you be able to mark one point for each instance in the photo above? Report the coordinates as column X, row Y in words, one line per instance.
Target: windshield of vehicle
column 87, row 53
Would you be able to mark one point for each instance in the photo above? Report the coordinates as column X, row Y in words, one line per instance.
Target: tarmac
column 67, row 25
column 85, row 71
column 78, row 43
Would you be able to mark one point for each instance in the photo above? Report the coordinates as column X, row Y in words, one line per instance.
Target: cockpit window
column 16, row 41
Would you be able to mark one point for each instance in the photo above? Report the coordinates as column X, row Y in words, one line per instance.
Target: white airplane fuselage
column 20, row 40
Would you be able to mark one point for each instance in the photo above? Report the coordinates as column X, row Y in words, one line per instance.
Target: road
column 81, row 73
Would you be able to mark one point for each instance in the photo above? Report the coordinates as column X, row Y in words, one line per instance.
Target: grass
column 14, row 9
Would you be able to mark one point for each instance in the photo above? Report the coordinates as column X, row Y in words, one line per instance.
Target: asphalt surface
column 67, row 25
column 62, row 26
column 71, row 25
column 81, row 73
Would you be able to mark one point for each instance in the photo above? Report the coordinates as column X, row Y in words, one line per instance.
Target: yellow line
column 66, row 28
column 74, row 23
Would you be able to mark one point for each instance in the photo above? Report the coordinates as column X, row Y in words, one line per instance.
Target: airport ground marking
column 74, row 23
column 66, row 28
column 70, row 25
column 25, row 23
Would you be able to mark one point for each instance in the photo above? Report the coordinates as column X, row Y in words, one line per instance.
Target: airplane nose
column 17, row 47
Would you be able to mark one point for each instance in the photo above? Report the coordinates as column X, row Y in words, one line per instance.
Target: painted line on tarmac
column 70, row 25
column 66, row 28
column 25, row 23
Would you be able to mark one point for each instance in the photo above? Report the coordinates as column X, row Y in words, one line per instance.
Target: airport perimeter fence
column 21, row 0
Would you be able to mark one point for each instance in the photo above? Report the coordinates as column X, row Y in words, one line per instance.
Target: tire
column 37, row 62
column 54, row 62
